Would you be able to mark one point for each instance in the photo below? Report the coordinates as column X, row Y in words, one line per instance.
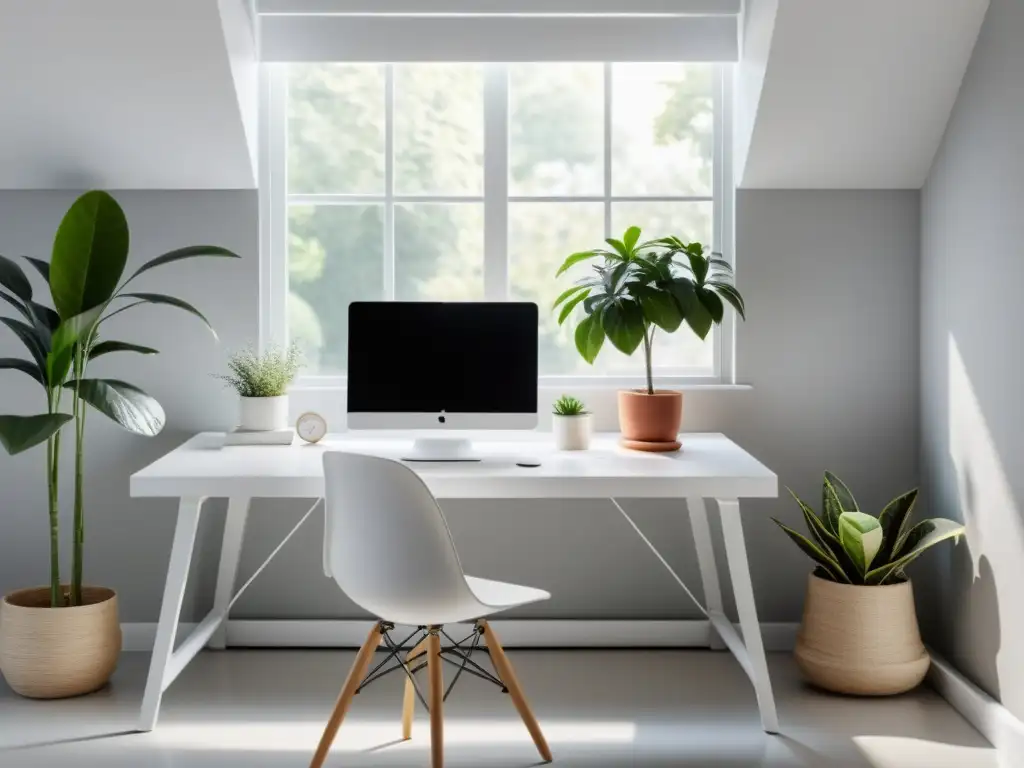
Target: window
column 464, row 182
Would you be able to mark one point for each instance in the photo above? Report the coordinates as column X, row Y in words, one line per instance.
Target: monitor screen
column 433, row 358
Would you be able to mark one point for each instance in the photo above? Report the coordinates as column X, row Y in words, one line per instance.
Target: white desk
column 709, row 466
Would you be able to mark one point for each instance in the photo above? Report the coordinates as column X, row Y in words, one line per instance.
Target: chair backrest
column 386, row 541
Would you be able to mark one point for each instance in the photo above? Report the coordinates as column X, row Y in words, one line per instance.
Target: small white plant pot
column 572, row 433
column 263, row 414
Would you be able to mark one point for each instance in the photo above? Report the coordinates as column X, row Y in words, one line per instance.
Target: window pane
column 335, row 256
column 688, row 220
column 439, row 252
column 439, row 129
column 556, row 129
column 662, row 129
column 336, row 128
column 541, row 236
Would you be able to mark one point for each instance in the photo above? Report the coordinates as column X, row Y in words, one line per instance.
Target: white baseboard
column 537, row 633
column 994, row 721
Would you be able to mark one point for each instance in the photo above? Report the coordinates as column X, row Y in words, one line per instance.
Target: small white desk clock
column 311, row 427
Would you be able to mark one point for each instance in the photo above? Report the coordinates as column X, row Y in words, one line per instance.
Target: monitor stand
column 441, row 449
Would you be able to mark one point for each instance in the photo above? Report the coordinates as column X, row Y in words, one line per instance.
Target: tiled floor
column 601, row 709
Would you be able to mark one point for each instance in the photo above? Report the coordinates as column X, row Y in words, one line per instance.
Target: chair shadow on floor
column 67, row 740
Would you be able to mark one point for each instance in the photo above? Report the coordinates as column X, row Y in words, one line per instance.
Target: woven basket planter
column 55, row 653
column 861, row 640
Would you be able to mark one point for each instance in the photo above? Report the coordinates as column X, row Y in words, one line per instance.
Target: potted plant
column 859, row 633
column 638, row 288
column 571, row 423
column 261, row 381
column 64, row 639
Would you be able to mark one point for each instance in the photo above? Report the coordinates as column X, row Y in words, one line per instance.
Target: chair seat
column 500, row 595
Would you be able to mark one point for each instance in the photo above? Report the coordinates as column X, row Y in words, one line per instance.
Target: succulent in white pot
column 261, row 381
column 571, row 423
column 859, row 633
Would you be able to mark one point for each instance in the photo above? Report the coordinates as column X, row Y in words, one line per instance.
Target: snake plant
column 853, row 547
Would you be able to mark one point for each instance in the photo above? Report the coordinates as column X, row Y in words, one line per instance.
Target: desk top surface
column 709, row 465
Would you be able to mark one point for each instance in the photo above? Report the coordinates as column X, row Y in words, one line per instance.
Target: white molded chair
column 388, row 546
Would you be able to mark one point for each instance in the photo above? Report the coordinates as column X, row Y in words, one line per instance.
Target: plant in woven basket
column 263, row 375
column 853, row 547
column 567, row 405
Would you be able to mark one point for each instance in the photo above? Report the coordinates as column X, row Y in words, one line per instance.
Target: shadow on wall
column 995, row 543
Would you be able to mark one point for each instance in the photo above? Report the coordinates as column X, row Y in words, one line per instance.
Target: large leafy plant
column 639, row 287
column 84, row 280
column 853, row 547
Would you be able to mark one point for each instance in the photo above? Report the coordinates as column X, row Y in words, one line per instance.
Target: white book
column 259, row 437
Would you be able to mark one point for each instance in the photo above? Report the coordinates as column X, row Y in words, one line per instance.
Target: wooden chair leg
column 409, row 700
column 355, row 676
column 434, row 663
column 508, row 676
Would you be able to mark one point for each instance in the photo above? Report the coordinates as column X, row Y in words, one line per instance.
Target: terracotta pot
column 654, row 419
column 54, row 653
column 861, row 640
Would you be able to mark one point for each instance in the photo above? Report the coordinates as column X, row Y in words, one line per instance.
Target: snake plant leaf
column 816, row 553
column 846, row 501
column 921, row 537
column 42, row 267
column 13, row 278
column 571, row 305
column 569, row 292
column 89, row 253
column 895, row 522
column 106, row 347
column 19, row 433
column 179, row 254
column 590, row 337
column 160, row 298
column 122, row 402
column 825, row 538
column 25, row 366
column 624, row 325
column 861, row 537
column 30, row 336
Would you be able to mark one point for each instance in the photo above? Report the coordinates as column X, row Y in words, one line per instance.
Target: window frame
column 274, row 200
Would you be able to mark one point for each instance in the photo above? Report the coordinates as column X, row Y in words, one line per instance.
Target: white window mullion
column 495, row 182
column 389, row 182
column 274, row 205
column 607, row 149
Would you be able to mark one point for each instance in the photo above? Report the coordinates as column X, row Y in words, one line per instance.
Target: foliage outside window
column 389, row 189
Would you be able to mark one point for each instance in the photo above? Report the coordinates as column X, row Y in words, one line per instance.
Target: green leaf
column 576, row 258
column 160, row 298
column 630, row 238
column 122, row 402
column 685, row 294
column 567, row 293
column 922, row 537
column 698, row 264
column 730, row 294
column 846, row 501
column 89, row 254
column 721, row 264
column 590, row 337
column 13, row 278
column 825, row 538
column 31, row 337
column 861, row 537
column 619, row 247
column 106, row 347
column 19, row 433
column 42, row 267
column 816, row 553
column 711, row 303
column 571, row 305
column 624, row 325
column 894, row 521
column 661, row 309
column 25, row 366
column 189, row 252
column 58, row 361
column 699, row 319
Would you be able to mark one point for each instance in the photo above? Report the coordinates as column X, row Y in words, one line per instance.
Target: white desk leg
column 227, row 573
column 174, row 593
column 743, row 589
column 708, row 566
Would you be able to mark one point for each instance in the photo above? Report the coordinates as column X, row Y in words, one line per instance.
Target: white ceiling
column 126, row 94
column 855, row 94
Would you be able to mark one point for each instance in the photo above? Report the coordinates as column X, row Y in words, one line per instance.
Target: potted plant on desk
column 261, row 381
column 859, row 633
column 571, row 423
column 636, row 289
column 64, row 639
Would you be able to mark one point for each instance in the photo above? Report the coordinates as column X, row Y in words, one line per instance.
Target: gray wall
column 972, row 363
column 830, row 349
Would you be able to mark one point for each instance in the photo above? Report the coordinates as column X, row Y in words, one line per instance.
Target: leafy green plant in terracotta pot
column 64, row 639
column 859, row 633
column 637, row 289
